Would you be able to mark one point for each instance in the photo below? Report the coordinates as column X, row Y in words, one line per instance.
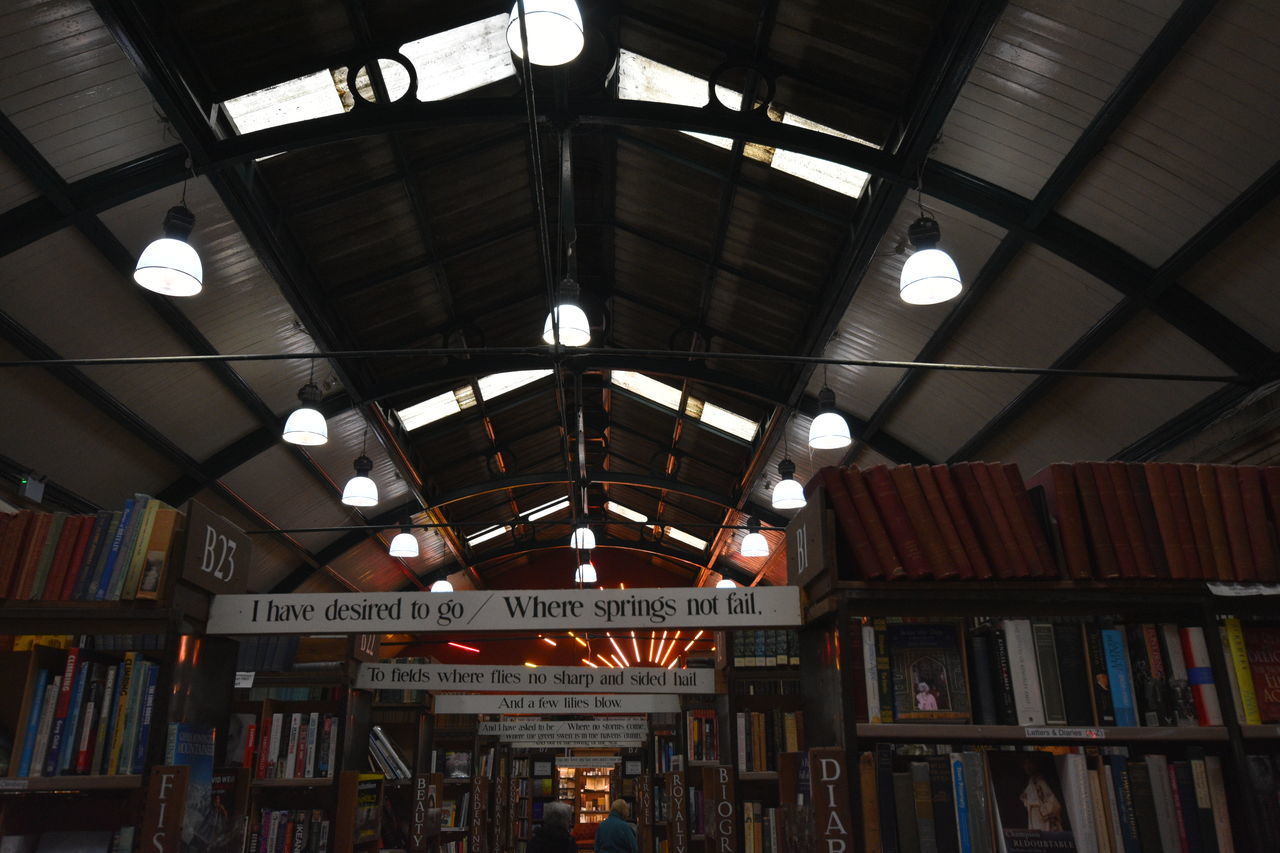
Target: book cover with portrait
column 1030, row 806
column 929, row 674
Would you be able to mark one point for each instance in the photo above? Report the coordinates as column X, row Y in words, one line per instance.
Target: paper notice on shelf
column 1065, row 733
column 244, row 679
column 1242, row 589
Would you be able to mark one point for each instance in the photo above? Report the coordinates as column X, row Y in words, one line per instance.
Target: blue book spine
column 113, row 558
column 1118, row 676
column 67, row 748
column 962, row 804
column 33, row 722
column 144, row 729
column 1124, row 803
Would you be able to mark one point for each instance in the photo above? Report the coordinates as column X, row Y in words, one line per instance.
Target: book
column 1262, row 652
column 929, row 678
column 1024, row 674
column 1200, row 676
column 192, row 745
column 1119, row 678
column 1055, row 708
column 1238, row 658
column 1030, row 806
column 156, row 555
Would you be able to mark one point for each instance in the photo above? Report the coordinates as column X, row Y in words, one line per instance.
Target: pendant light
column 929, row 276
column 405, row 544
column 829, row 430
column 442, row 586
column 169, row 265
column 787, row 492
column 306, row 425
column 725, row 583
column 360, row 489
column 571, row 320
column 582, row 539
column 585, row 573
column 754, row 544
column 554, row 30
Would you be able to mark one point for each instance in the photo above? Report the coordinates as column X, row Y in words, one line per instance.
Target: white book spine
column 46, row 723
column 1218, row 798
column 1022, row 667
column 1101, row 826
column 1113, row 809
column 869, row 673
column 313, row 725
column 333, row 746
column 1075, row 787
column 1198, row 658
column 1158, row 768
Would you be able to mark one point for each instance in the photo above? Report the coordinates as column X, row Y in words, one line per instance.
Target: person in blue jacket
column 615, row 834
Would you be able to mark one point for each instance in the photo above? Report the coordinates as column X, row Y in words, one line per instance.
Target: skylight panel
column 651, row 389
column 487, row 534
column 497, row 384
column 642, row 79
column 625, row 512
column 723, row 419
column 434, row 408
column 461, row 59
column 687, row 538
column 312, row 96
column 833, row 176
column 546, row 509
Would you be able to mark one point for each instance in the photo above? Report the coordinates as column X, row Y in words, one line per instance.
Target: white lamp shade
column 829, row 431
column 306, row 426
column 725, row 583
column 575, row 331
column 754, row 545
column 171, row 267
column 404, row 545
column 928, row 277
column 360, row 491
column 586, row 573
column 554, row 28
column 442, row 586
column 582, row 539
column 788, row 494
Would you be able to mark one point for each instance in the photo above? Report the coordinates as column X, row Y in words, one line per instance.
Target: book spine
column 1147, row 519
column 75, row 716
column 144, row 720
column 1162, row 504
column 1007, row 710
column 1218, row 801
column 34, row 709
column 894, row 514
column 1142, row 801
column 1030, row 520
column 1166, row 820
column 866, row 509
column 1207, row 485
column 1055, row 709
column 989, row 533
column 887, row 808
column 922, row 521
column 1184, row 525
column 922, row 796
column 69, row 672
column 1131, row 523
column 870, row 799
column 958, row 556
column 106, row 720
column 871, row 685
column 113, row 555
column 1065, row 502
column 47, row 709
column 884, row 672
column 981, row 669
column 313, row 736
column 1118, row 677
column 1244, row 676
column 1074, row 774
column 1124, row 804
column 960, row 792
column 850, row 524
column 1255, row 515
column 1099, row 535
column 1179, row 689
column 1073, row 670
column 965, row 527
column 1025, row 676
column 1233, row 517
column 1021, row 552
column 1204, row 801
column 1200, row 676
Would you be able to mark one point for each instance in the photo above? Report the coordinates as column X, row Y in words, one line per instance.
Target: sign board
column 503, row 610
column 722, row 808
column 436, row 677
column 162, row 819
column 586, row 760
column 542, row 768
column 632, row 767
column 364, row 647
column 567, row 703
column 811, row 545
column 479, row 817
column 644, row 812
column 677, row 812
column 829, row 781
column 605, row 730
column 425, row 811
column 217, row 553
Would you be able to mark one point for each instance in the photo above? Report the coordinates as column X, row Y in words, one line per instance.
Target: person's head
column 621, row 809
column 558, row 814
column 923, row 687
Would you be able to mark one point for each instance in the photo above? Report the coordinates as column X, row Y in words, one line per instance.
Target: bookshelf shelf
column 910, row 732
column 324, row 782
column 1256, row 732
column 758, row 776
column 71, row 784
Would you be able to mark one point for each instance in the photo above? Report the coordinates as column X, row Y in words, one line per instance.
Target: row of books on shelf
column 107, row 556
column 1085, row 672
column 769, row 829
column 70, row 841
column 92, row 717
column 702, row 734
column 284, row 745
column 454, row 811
column 273, row 653
column 761, row 735
column 765, row 647
column 385, row 756
column 664, row 749
column 1001, row 800
column 290, row 831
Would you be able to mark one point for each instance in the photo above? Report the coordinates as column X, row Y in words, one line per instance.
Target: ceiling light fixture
column 829, row 430
column 753, row 544
column 405, row 544
column 360, row 489
column 553, row 28
column 586, row 573
column 306, row 426
column 929, row 276
column 725, row 583
column 169, row 266
column 787, row 492
column 567, row 318
column 442, row 586
column 582, row 539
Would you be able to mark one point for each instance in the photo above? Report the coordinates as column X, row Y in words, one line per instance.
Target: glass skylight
column 723, row 419
column 842, row 179
column 487, row 534
column 312, row 96
column 687, row 538
column 497, row 384
column 669, row 396
column 651, row 389
column 434, row 408
column 625, row 512
column 548, row 508
column 461, row 59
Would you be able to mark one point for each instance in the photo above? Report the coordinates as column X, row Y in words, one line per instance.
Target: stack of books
column 765, row 647
column 297, row 745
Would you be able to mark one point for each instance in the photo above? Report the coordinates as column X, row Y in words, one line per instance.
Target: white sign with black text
column 506, row 610
column 598, row 732
column 569, row 703
column 437, row 677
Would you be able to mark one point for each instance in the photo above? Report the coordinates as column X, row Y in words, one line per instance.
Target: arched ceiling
column 1097, row 169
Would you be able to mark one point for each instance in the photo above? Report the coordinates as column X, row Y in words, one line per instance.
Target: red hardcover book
column 1114, row 521
column 1064, row 504
column 999, row 498
column 851, row 527
column 250, row 741
column 33, row 543
column 898, row 523
column 1032, row 520
column 978, row 559
column 1129, row 516
column 1147, row 518
column 926, row 527
column 1218, row 537
column 996, row 538
column 1186, row 475
column 1184, row 527
column 865, row 506
column 62, row 557
column 941, row 516
column 264, row 758
column 1271, row 490
column 1200, row 674
column 1165, row 519
column 15, row 532
column 77, row 557
column 1237, row 526
column 1100, row 543
column 1255, row 516
column 1262, row 648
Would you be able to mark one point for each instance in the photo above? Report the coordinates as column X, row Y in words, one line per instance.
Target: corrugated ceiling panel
column 364, row 233
column 1240, row 277
column 1036, row 310
column 93, row 456
column 60, row 289
column 879, row 325
column 14, row 186
column 369, row 568
column 1095, row 418
column 648, row 277
column 736, row 306
column 272, row 559
column 675, row 203
column 781, row 247
column 336, row 458
column 1194, row 143
column 281, row 489
column 1045, row 71
column 321, row 582
column 240, row 310
column 71, row 91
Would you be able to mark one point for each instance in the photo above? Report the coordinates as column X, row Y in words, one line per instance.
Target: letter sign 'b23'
column 217, row 553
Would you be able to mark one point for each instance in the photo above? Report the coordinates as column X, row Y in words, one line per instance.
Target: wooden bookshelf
column 909, row 732
column 72, row 784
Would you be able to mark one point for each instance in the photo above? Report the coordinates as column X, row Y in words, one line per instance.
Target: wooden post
column 166, row 803
column 644, row 813
column 478, row 832
column 722, row 808
column 829, row 780
column 678, row 814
